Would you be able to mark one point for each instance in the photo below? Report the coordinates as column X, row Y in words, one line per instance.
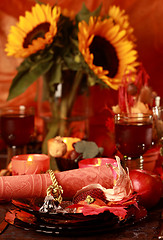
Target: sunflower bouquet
column 74, row 50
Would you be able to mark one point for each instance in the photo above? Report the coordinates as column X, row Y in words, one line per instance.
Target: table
column 147, row 229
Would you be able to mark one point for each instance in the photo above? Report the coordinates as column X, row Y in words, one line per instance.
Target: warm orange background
column 145, row 17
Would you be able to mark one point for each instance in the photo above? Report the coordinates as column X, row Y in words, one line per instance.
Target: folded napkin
column 25, row 186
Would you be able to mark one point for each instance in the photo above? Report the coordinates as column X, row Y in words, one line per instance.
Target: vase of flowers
column 74, row 51
column 70, row 109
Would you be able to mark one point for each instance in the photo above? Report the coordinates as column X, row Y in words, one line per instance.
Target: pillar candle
column 90, row 162
column 30, row 164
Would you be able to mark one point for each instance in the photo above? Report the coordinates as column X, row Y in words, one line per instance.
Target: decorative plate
column 25, row 214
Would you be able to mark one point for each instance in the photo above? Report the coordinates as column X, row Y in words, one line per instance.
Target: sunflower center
column 38, row 32
column 104, row 55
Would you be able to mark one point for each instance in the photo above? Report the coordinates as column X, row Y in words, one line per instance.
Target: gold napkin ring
column 54, row 190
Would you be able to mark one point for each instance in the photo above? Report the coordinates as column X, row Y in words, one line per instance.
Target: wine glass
column 133, row 137
column 158, row 134
column 158, row 120
column 17, row 126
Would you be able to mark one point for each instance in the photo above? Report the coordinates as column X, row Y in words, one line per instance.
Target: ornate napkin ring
column 53, row 197
column 54, row 190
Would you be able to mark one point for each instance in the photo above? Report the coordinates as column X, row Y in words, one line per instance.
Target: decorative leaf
column 25, row 65
column 87, row 148
column 85, row 14
column 26, row 77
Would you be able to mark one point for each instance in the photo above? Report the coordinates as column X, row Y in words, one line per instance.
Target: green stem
column 67, row 101
column 73, row 93
column 53, row 127
column 61, row 110
column 63, row 116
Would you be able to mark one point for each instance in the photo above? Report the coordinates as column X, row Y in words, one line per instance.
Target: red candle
column 30, row 164
column 94, row 162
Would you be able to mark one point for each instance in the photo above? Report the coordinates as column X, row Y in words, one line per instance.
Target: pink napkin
column 25, row 186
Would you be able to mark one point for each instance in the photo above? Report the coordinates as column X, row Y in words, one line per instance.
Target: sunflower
column 119, row 17
column 106, row 50
column 34, row 31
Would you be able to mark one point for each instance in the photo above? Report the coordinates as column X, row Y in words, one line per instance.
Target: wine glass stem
column 133, row 163
column 14, row 150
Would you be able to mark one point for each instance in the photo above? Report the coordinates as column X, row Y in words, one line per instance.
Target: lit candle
column 95, row 162
column 30, row 164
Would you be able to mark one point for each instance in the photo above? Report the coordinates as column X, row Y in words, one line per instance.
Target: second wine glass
column 133, row 137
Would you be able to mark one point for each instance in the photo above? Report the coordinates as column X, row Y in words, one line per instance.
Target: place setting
column 81, row 129
column 98, row 193
column 85, row 190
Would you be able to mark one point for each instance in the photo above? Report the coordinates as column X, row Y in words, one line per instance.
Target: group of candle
column 39, row 163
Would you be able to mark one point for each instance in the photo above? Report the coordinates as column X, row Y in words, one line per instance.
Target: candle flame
column 65, row 140
column 30, row 159
column 69, row 141
column 98, row 162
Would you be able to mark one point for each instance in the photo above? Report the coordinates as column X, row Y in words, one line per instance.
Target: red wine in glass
column 17, row 126
column 133, row 135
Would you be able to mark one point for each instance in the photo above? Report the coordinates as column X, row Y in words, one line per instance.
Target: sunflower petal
column 27, row 25
column 116, row 32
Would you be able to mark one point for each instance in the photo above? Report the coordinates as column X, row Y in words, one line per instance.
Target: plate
column 25, row 214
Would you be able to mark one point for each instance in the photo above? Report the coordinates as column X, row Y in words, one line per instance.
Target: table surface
column 146, row 229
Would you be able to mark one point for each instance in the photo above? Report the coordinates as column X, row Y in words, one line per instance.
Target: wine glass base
column 133, row 163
